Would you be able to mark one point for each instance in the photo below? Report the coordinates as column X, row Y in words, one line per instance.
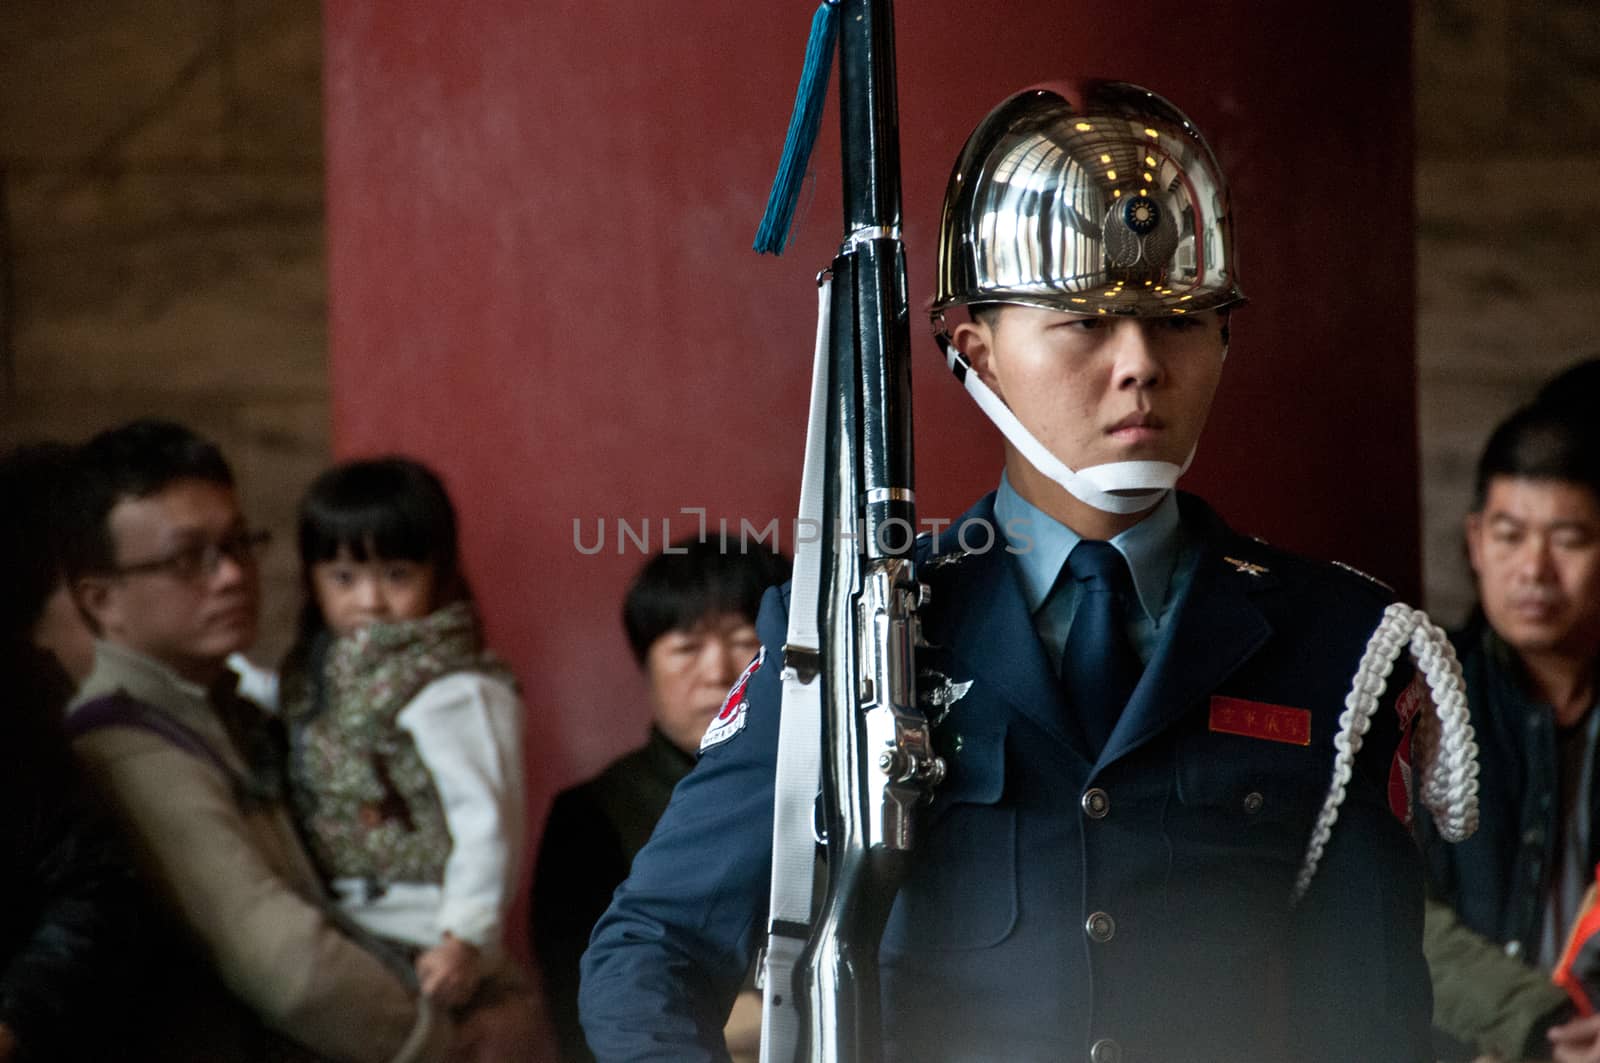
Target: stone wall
column 1508, row 235
column 162, row 236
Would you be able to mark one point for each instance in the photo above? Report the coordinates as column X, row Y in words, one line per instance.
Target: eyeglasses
column 203, row 559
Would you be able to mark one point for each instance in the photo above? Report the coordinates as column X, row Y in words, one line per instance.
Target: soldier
column 1142, row 703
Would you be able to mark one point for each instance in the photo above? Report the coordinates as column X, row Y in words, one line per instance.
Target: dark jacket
column 1496, row 882
column 998, row 945
column 590, row 839
column 70, row 917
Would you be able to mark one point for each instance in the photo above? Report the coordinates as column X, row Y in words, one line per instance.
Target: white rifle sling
column 1443, row 742
column 799, row 740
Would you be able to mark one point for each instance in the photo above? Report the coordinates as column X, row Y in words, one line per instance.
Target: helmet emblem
column 1139, row 235
column 1141, row 214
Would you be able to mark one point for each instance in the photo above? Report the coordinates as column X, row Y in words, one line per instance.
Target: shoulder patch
column 1374, row 580
column 730, row 719
column 1407, row 706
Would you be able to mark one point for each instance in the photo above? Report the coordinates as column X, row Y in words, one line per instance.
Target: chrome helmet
column 1089, row 197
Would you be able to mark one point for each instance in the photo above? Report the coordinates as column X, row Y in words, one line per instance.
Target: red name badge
column 1260, row 719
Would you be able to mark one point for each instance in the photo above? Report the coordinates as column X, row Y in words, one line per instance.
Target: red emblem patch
column 730, row 719
column 1261, row 719
column 1407, row 706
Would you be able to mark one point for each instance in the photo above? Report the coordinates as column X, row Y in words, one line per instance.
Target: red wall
column 540, row 218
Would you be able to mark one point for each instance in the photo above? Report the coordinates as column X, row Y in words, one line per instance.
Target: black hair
column 1541, row 441
column 135, row 460
column 986, row 313
column 1576, row 388
column 32, row 477
column 695, row 579
column 391, row 508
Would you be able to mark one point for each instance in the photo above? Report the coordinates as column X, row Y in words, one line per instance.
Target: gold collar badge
column 1249, row 568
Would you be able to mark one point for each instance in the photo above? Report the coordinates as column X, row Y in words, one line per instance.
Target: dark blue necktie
column 1099, row 666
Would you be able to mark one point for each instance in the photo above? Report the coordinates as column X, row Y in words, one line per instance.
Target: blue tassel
column 773, row 235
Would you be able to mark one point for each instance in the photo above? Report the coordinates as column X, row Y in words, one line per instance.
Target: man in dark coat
column 1507, row 898
column 70, row 929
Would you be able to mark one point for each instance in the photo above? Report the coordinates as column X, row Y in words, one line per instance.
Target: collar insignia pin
column 954, row 557
column 1248, row 568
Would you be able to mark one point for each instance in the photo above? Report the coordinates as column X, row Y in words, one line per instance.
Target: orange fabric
column 1578, row 970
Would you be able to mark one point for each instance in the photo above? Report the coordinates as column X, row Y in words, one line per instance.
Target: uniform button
column 1096, row 803
column 1105, row 1050
column 1253, row 802
column 1101, row 927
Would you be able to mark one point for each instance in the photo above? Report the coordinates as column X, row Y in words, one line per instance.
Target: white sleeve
column 468, row 730
column 258, row 684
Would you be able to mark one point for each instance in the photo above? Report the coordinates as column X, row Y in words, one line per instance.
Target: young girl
column 405, row 766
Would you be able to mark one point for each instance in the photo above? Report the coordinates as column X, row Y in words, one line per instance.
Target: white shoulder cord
column 1446, row 751
column 799, row 744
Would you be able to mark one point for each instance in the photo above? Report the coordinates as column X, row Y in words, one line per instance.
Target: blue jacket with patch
column 1188, row 838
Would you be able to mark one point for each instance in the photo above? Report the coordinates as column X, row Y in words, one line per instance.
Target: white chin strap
column 1115, row 487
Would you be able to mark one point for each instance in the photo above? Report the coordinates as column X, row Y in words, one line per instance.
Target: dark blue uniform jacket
column 989, row 952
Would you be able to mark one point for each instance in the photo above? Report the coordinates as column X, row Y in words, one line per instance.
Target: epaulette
column 1251, row 567
column 1374, row 580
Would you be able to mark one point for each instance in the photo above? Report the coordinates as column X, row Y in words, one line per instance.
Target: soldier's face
column 1535, row 548
column 1095, row 389
column 690, row 671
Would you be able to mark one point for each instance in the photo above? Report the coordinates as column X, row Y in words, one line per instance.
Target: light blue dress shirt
column 1159, row 558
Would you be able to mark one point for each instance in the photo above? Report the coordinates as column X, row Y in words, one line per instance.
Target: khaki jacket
column 1483, row 997
column 239, row 879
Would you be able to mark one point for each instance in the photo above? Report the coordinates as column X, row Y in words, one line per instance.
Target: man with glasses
column 163, row 566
